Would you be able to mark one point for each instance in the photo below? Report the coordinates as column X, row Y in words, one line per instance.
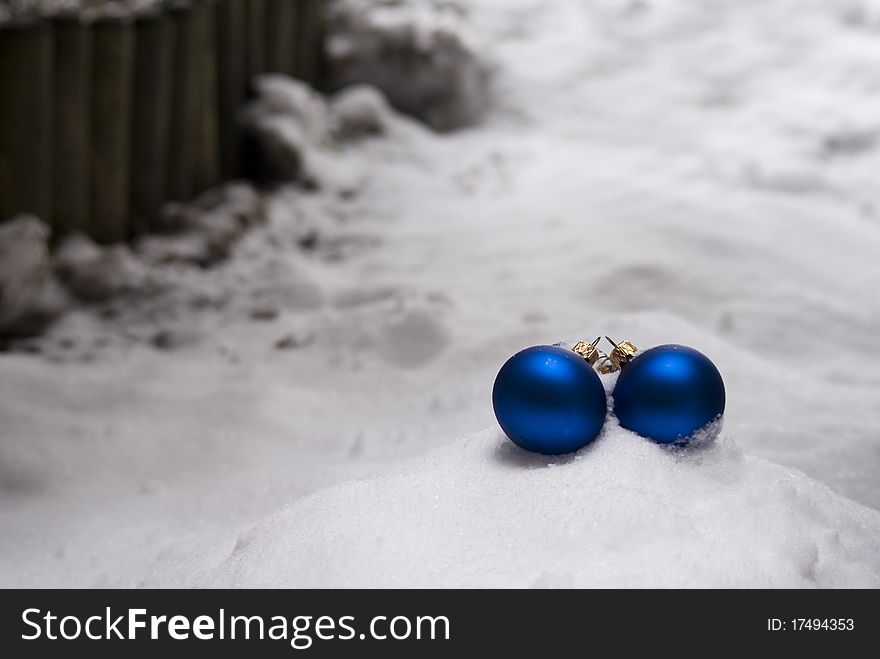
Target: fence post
column 112, row 59
column 207, row 172
column 71, row 123
column 151, row 113
column 186, row 90
column 256, row 39
column 310, row 28
column 280, row 36
column 231, row 79
column 26, row 64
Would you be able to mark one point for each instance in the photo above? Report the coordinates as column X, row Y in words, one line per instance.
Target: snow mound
column 359, row 111
column 420, row 53
column 283, row 127
column 29, row 296
column 205, row 232
column 93, row 273
column 622, row 512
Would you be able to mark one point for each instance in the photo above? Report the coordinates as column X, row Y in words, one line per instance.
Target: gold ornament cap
column 588, row 351
column 623, row 353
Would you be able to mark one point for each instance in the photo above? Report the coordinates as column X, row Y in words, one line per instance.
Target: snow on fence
column 105, row 116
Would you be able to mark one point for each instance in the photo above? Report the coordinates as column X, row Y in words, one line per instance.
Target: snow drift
column 622, row 512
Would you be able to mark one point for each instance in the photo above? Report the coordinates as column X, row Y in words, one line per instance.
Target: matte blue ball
column 549, row 400
column 668, row 393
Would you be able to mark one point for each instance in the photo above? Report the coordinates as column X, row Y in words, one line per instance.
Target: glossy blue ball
column 549, row 400
column 668, row 393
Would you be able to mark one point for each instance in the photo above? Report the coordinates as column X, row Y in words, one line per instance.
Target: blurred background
column 250, row 249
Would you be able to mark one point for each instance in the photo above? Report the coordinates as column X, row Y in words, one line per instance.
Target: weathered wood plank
column 26, row 64
column 112, row 86
column 151, row 115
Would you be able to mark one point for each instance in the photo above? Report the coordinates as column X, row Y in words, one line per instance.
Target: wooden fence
column 103, row 119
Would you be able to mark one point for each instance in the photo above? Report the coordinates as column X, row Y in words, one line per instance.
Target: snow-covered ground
column 699, row 172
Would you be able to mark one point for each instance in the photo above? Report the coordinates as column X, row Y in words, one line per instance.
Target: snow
column 95, row 274
column 29, row 298
column 624, row 512
column 358, row 111
column 51, row 7
column 664, row 172
column 285, row 124
column 421, row 54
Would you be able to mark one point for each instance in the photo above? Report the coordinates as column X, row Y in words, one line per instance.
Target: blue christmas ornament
column 549, row 400
column 668, row 394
